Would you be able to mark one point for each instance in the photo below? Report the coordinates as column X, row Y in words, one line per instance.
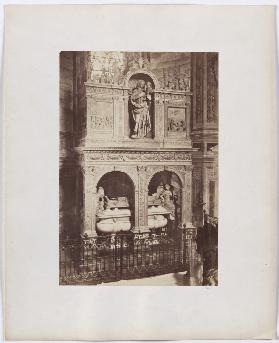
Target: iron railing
column 125, row 256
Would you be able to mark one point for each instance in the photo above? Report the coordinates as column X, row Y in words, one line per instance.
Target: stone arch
column 117, row 186
column 180, row 175
column 151, row 173
column 131, row 172
column 109, row 169
column 159, row 179
column 141, row 71
column 98, row 172
column 172, row 169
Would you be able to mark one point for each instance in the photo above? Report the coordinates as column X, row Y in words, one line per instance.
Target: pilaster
column 88, row 196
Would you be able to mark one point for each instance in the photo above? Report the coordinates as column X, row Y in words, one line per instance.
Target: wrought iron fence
column 125, row 256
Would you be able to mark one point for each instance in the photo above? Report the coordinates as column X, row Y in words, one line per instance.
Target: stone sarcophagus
column 112, row 215
column 114, row 220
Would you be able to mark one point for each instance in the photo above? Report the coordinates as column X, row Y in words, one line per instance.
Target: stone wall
column 67, row 171
column 66, row 102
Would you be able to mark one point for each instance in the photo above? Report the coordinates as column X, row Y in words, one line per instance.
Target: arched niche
column 118, row 185
column 159, row 181
column 152, row 76
column 141, row 105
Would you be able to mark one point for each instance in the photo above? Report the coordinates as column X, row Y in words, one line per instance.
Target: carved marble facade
column 140, row 170
column 183, row 116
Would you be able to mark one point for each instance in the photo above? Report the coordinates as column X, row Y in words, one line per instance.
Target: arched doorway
column 141, row 106
column 115, row 208
column 167, row 187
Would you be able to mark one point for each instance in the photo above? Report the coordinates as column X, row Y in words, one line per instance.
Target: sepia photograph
column 124, row 149
column 138, row 168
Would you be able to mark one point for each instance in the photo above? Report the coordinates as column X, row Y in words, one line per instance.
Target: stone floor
column 172, row 279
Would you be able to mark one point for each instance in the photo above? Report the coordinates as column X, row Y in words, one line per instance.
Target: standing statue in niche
column 140, row 100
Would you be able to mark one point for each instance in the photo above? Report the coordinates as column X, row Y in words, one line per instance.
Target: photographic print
column 138, row 184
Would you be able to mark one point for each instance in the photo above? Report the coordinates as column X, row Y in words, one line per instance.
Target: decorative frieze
column 127, row 156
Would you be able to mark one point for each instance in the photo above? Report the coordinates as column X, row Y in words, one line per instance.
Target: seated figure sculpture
column 168, row 201
column 102, row 200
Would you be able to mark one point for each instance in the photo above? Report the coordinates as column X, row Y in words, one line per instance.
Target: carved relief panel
column 212, row 87
column 101, row 114
column 177, row 117
column 107, row 67
column 176, row 122
column 211, row 190
column 205, row 89
column 104, row 112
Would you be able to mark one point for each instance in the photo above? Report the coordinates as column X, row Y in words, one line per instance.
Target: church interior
column 111, row 143
column 138, row 141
